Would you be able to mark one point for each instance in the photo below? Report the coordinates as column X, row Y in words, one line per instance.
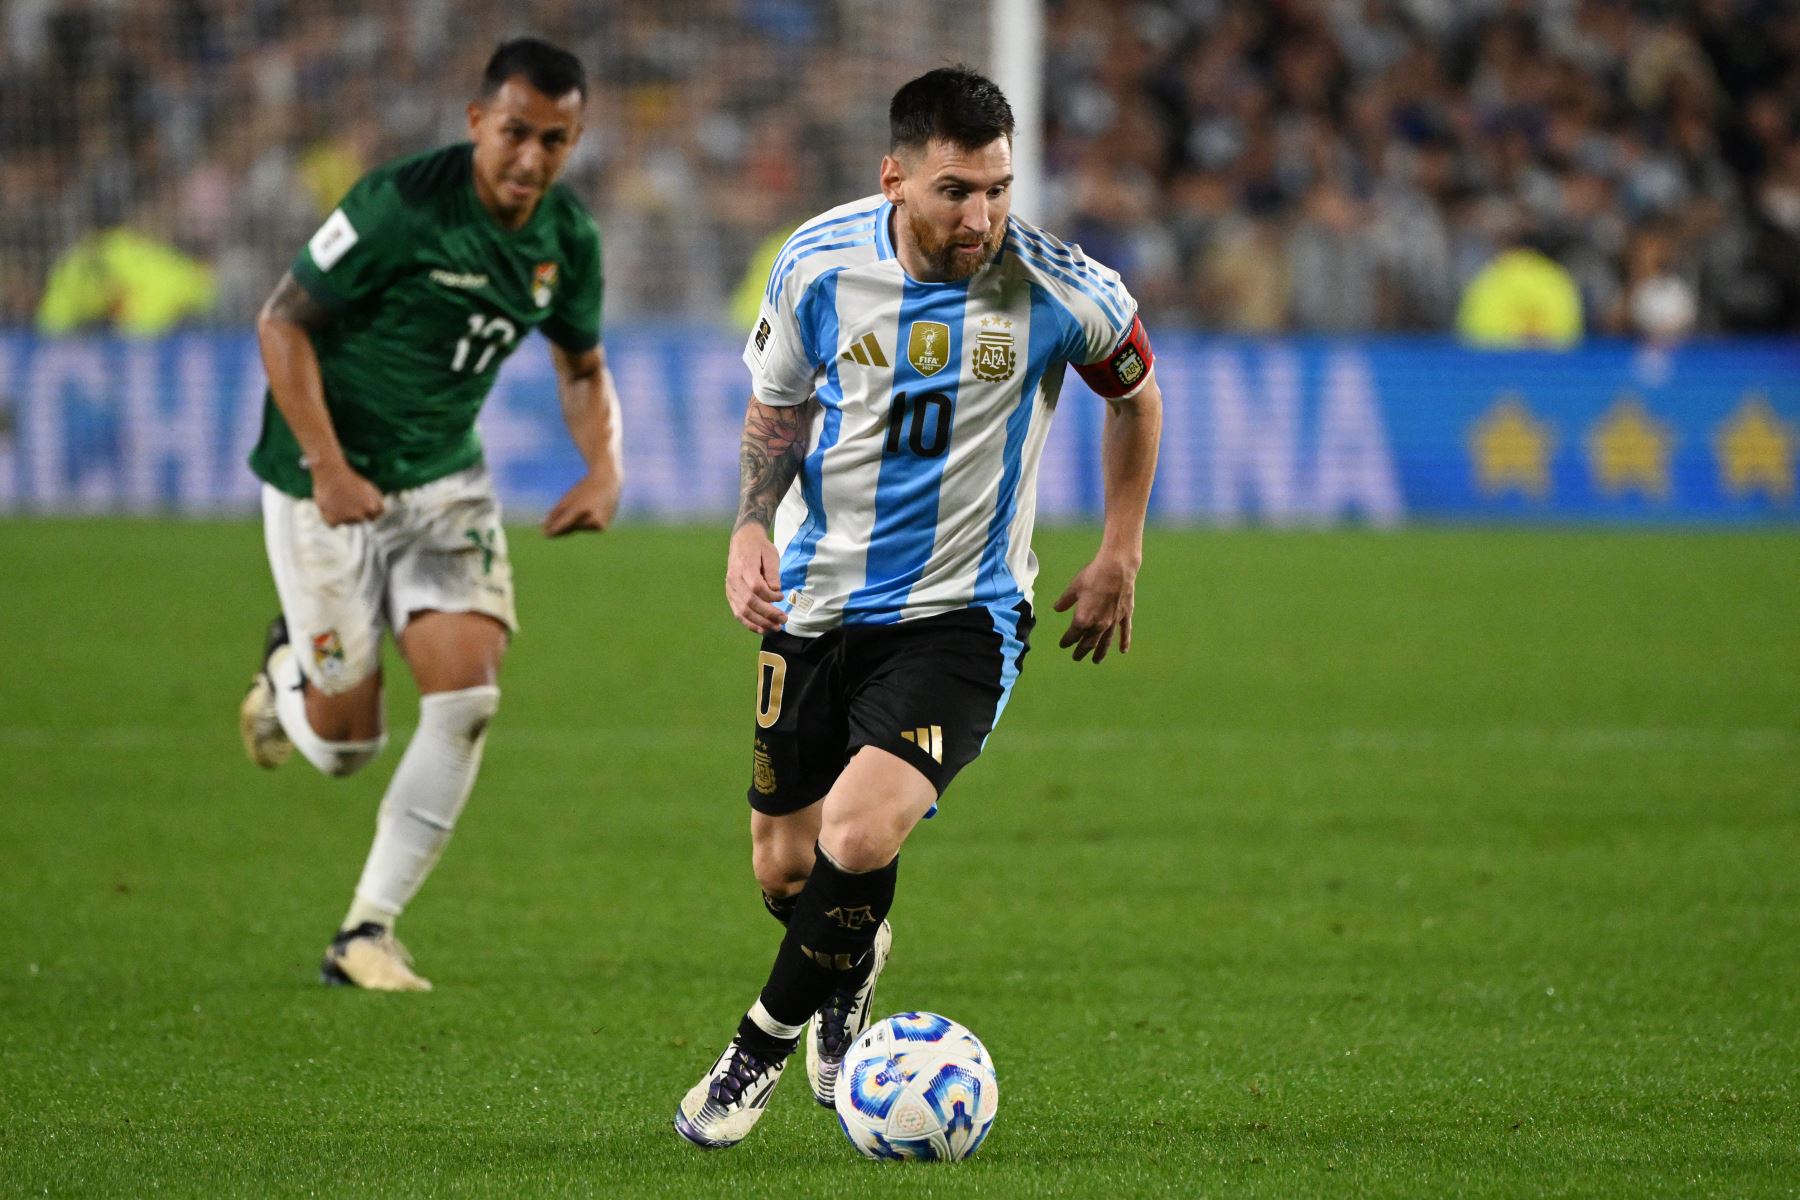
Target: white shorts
column 438, row 547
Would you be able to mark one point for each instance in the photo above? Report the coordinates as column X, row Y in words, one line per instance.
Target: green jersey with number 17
column 430, row 296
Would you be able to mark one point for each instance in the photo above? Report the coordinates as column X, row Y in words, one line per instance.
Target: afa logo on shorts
column 328, row 653
column 763, row 774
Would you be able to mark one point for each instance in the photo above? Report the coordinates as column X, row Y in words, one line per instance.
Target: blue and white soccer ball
column 917, row 1086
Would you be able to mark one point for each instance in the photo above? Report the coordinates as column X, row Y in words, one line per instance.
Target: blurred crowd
column 1249, row 165
column 1325, row 165
column 226, row 129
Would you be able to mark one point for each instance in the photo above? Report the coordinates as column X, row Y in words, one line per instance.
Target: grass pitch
column 1421, row 864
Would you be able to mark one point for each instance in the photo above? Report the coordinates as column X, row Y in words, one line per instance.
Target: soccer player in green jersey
column 381, row 343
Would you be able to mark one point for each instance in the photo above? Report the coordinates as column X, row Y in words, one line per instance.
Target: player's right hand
column 753, row 580
column 343, row 496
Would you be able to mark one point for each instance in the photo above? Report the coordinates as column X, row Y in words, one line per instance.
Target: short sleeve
column 574, row 324
column 1123, row 373
column 1103, row 338
column 360, row 248
column 783, row 362
column 1101, row 308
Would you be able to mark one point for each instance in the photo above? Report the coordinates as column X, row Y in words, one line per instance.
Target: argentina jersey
column 918, row 491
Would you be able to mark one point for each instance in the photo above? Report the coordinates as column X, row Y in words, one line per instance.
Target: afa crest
column 543, row 284
column 1128, row 366
column 993, row 360
column 762, row 775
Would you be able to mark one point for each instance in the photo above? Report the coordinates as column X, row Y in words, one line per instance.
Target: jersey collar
column 884, row 232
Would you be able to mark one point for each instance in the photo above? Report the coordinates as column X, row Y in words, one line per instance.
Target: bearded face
column 953, row 254
column 953, row 202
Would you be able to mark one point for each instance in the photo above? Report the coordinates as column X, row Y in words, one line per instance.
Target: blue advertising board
column 1282, row 432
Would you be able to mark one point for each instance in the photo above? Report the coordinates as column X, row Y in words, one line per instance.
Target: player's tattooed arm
column 769, row 458
column 294, row 304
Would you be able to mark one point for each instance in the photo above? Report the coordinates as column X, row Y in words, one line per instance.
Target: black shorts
column 928, row 691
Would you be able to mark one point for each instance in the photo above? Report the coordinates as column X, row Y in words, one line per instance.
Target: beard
column 941, row 252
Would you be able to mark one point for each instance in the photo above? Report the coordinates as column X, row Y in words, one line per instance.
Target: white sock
column 766, row 1022
column 426, row 795
column 336, row 759
column 362, row 912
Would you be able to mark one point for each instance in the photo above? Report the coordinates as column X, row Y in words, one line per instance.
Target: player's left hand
column 1102, row 595
column 590, row 504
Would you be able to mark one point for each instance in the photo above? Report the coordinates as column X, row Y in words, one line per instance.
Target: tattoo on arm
column 292, row 303
column 769, row 459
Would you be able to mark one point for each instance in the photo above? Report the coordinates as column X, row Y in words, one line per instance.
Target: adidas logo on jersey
column 865, row 350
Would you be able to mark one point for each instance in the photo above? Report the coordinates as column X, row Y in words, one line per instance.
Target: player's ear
column 893, row 174
column 475, row 112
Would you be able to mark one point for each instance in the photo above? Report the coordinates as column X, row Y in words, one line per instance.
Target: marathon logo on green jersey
column 452, row 279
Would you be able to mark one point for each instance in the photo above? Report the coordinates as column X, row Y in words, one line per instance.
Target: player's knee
column 347, row 714
column 863, row 845
column 462, row 715
column 780, row 870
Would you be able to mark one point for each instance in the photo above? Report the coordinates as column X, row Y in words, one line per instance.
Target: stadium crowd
column 1351, row 165
column 1250, row 165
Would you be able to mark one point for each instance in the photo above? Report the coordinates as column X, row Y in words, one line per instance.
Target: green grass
column 1439, row 863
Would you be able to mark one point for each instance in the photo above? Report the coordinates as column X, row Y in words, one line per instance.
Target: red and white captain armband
column 1121, row 373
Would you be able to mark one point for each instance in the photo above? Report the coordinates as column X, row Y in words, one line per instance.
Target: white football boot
column 830, row 1034
column 265, row 742
column 370, row 956
column 728, row 1101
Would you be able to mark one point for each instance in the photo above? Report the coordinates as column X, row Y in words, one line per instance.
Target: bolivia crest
column 543, row 284
column 328, row 654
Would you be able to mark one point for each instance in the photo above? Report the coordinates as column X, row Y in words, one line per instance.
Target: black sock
column 828, row 944
column 781, row 907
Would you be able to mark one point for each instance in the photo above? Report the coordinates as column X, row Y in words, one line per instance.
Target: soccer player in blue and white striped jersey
column 905, row 368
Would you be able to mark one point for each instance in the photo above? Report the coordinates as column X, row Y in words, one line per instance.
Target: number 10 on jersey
column 922, row 423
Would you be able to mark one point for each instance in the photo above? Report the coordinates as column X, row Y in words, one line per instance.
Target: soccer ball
column 917, row 1086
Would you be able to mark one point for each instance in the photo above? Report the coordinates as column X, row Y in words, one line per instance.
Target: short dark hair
column 953, row 104
column 550, row 69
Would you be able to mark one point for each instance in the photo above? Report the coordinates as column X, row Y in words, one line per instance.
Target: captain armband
column 1121, row 373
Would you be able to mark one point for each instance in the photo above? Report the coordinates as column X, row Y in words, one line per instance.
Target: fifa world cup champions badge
column 928, row 346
